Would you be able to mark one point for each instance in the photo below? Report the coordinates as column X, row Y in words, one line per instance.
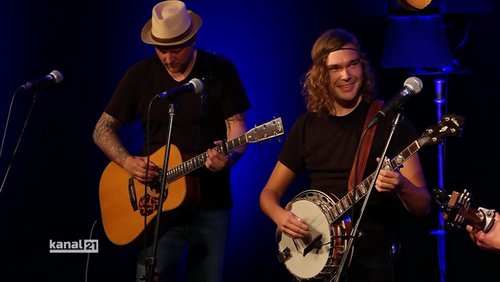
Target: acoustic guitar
column 128, row 206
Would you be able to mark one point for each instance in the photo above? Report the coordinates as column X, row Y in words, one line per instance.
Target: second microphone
column 196, row 85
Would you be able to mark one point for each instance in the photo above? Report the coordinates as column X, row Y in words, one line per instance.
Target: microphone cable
column 87, row 263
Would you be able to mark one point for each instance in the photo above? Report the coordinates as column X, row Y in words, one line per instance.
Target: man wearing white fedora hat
column 217, row 113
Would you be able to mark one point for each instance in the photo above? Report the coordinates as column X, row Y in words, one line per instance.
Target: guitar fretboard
column 199, row 161
column 352, row 197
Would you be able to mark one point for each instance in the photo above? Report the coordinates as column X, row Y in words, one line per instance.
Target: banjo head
column 316, row 256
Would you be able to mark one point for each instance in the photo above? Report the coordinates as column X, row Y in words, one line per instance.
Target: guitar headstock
column 457, row 211
column 265, row 131
column 454, row 206
column 449, row 125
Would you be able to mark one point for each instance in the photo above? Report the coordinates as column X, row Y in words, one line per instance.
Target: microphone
column 195, row 85
column 412, row 86
column 54, row 76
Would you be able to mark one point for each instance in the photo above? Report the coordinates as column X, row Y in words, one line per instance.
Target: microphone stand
column 7, row 172
column 354, row 231
column 151, row 261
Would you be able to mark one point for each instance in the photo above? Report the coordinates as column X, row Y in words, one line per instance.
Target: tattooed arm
column 235, row 126
column 106, row 138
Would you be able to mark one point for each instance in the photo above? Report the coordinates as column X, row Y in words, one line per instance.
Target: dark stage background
column 51, row 191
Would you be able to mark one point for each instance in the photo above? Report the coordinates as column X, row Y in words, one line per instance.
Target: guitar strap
column 365, row 146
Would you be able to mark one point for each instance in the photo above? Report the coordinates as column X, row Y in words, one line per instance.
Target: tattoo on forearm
column 105, row 136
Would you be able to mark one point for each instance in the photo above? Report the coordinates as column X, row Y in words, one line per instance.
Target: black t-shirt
column 199, row 119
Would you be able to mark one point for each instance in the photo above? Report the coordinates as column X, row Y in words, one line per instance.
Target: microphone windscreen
column 197, row 84
column 414, row 83
column 57, row 75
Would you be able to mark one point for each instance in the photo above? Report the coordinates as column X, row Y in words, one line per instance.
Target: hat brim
column 147, row 38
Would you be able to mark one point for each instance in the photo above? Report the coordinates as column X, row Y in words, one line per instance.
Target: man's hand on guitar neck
column 216, row 161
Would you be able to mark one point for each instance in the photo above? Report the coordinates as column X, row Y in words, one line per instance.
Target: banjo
column 319, row 255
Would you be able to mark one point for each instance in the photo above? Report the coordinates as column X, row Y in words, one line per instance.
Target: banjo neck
column 449, row 125
column 360, row 191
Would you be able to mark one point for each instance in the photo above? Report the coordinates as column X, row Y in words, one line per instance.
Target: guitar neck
column 193, row 164
column 352, row 197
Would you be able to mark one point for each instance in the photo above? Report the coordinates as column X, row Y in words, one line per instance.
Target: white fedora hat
column 171, row 24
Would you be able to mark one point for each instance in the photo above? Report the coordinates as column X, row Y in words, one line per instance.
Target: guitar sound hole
column 147, row 205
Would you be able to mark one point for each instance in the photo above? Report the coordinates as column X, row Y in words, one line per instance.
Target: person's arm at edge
column 488, row 241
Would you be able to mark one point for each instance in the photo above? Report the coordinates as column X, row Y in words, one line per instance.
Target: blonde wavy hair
column 316, row 83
